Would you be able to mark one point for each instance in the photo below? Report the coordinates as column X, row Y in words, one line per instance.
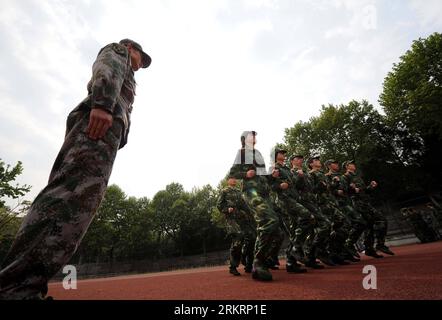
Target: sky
column 218, row 68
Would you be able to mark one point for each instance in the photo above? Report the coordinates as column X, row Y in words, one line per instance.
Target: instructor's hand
column 99, row 122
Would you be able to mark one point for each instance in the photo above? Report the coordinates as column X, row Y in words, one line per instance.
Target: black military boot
column 248, row 269
column 313, row 264
column 324, row 257
column 339, row 260
column 372, row 253
column 234, row 271
column 349, row 257
column 273, row 264
column 261, row 272
column 295, row 268
column 384, row 249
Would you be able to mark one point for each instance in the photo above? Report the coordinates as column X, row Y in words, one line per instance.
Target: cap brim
column 146, row 59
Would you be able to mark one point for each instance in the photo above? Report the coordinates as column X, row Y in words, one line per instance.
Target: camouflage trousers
column 243, row 237
column 339, row 228
column 267, row 221
column 62, row 212
column 317, row 241
column 356, row 224
column 300, row 223
column 376, row 224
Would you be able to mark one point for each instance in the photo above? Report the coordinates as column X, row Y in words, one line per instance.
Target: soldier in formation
column 324, row 210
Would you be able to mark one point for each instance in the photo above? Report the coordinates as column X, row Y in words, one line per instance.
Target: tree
column 412, row 101
column 358, row 131
column 7, row 176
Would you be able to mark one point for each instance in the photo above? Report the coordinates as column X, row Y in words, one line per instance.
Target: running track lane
column 415, row 272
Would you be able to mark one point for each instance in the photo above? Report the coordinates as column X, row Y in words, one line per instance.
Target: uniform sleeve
column 221, row 203
column 108, row 73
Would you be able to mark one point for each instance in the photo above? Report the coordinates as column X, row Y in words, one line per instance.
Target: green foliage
column 412, row 101
column 7, row 176
column 412, row 91
column 175, row 222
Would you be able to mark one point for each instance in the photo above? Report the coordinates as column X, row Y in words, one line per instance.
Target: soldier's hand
column 284, row 185
column 357, row 190
column 250, row 173
column 231, row 210
column 352, row 185
column 373, row 184
column 99, row 122
column 275, row 173
column 341, row 192
column 300, row 172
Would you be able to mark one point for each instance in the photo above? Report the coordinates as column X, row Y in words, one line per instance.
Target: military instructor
column 62, row 212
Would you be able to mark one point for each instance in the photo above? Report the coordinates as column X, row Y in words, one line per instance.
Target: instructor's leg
column 60, row 215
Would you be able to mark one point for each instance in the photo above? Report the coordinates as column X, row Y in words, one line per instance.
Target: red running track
column 415, row 272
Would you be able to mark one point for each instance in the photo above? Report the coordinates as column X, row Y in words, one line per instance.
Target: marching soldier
column 241, row 226
column 340, row 189
column 249, row 166
column 376, row 223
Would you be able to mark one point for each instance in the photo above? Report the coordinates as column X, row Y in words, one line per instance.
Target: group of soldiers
column 322, row 210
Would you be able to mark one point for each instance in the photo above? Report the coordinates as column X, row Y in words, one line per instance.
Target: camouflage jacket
column 251, row 159
column 112, row 86
column 364, row 190
column 303, row 185
column 284, row 176
column 338, row 182
column 232, row 198
column 323, row 186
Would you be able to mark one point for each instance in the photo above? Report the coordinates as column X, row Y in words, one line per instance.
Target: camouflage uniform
column 241, row 226
column 298, row 222
column 257, row 192
column 376, row 223
column 60, row 215
column 357, row 224
column 330, row 208
column 319, row 236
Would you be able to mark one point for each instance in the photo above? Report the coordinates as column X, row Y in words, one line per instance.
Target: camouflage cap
column 277, row 150
column 310, row 160
column 346, row 163
column 330, row 161
column 293, row 156
column 145, row 57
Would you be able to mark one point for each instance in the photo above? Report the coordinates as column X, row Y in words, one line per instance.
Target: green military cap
column 145, row 57
column 277, row 150
column 346, row 163
column 280, row 150
column 293, row 156
column 310, row 160
column 329, row 162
